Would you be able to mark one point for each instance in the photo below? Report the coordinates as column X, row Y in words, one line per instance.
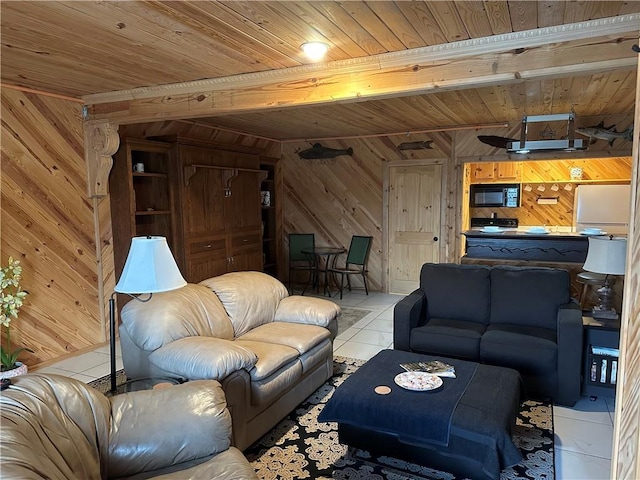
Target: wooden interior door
column 414, row 223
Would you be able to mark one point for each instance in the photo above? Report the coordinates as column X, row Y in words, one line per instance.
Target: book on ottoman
column 435, row 367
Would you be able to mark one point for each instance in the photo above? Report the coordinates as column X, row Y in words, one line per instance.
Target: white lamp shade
column 150, row 268
column 606, row 255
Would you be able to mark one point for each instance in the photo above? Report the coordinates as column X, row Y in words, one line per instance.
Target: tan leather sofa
column 269, row 350
column 56, row 427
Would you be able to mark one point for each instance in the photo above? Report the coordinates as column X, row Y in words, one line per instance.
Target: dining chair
column 356, row 262
column 299, row 261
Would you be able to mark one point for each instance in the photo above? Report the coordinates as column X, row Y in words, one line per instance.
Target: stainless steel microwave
column 495, row 195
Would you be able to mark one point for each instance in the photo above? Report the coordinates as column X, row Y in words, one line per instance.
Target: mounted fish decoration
column 600, row 132
column 494, row 141
column 318, row 151
column 426, row 145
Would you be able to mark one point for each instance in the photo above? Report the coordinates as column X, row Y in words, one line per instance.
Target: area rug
column 103, row 384
column 300, row 447
column 350, row 316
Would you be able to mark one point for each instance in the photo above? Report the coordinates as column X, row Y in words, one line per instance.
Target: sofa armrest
column 569, row 337
column 202, row 358
column 307, row 310
column 157, row 429
column 407, row 314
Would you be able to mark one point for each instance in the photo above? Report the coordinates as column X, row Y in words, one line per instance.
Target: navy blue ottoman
column 464, row 427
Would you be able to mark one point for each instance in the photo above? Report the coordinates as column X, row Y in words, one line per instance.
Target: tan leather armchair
column 57, row 428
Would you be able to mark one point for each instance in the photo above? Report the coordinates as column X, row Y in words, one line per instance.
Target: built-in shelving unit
column 140, row 200
column 268, row 196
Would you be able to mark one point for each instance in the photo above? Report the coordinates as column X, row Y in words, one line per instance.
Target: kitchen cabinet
column 141, row 201
column 220, row 220
column 495, row 172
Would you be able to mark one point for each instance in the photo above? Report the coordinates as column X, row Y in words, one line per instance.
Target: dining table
column 322, row 257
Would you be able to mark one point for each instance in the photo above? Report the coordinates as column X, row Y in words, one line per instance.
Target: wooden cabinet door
column 246, row 252
column 243, row 205
column 203, row 196
column 221, row 211
column 508, row 171
column 483, row 172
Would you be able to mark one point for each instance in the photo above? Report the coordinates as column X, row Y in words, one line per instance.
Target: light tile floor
column 583, row 433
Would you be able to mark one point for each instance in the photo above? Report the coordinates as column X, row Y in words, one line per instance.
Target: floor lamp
column 606, row 255
column 150, row 268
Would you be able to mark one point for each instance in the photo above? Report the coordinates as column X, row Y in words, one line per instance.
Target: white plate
column 491, row 230
column 592, row 234
column 418, row 381
column 538, row 232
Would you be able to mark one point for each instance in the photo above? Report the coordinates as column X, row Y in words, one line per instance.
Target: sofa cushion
column 271, row 357
column 458, row 292
column 203, row 358
column 529, row 350
column 528, row 296
column 189, row 311
column 309, row 310
column 250, row 298
column 268, row 390
column 454, row 338
column 301, row 337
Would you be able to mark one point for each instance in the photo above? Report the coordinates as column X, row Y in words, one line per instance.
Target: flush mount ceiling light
column 314, row 50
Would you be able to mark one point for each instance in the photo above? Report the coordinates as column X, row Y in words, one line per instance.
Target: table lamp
column 606, row 255
column 150, row 268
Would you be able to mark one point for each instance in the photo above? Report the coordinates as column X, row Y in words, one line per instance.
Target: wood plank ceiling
column 80, row 49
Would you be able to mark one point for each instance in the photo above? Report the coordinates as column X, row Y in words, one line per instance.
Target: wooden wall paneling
column 48, row 223
column 625, row 461
column 322, row 198
column 326, row 199
column 454, row 213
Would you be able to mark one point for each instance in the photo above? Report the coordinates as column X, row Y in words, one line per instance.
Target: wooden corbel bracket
column 101, row 141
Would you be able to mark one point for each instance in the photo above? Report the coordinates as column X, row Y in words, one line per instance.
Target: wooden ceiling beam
column 552, row 52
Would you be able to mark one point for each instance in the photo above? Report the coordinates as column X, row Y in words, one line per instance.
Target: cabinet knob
column 435, row 239
column 207, row 246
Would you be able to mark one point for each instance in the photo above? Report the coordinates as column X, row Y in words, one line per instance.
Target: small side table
column 600, row 361
column 150, row 383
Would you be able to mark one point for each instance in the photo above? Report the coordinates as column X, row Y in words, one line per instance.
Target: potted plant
column 11, row 299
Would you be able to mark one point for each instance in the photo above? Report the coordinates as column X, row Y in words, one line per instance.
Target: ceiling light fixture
column 568, row 144
column 314, row 50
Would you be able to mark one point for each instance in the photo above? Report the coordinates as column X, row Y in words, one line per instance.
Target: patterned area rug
column 350, row 316
column 103, row 384
column 300, row 447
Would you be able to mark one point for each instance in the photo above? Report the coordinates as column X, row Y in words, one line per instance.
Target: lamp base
column 604, row 314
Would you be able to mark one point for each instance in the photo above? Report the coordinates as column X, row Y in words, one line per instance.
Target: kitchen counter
column 513, row 244
column 512, row 232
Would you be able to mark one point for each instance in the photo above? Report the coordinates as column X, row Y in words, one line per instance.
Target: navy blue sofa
column 517, row 317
